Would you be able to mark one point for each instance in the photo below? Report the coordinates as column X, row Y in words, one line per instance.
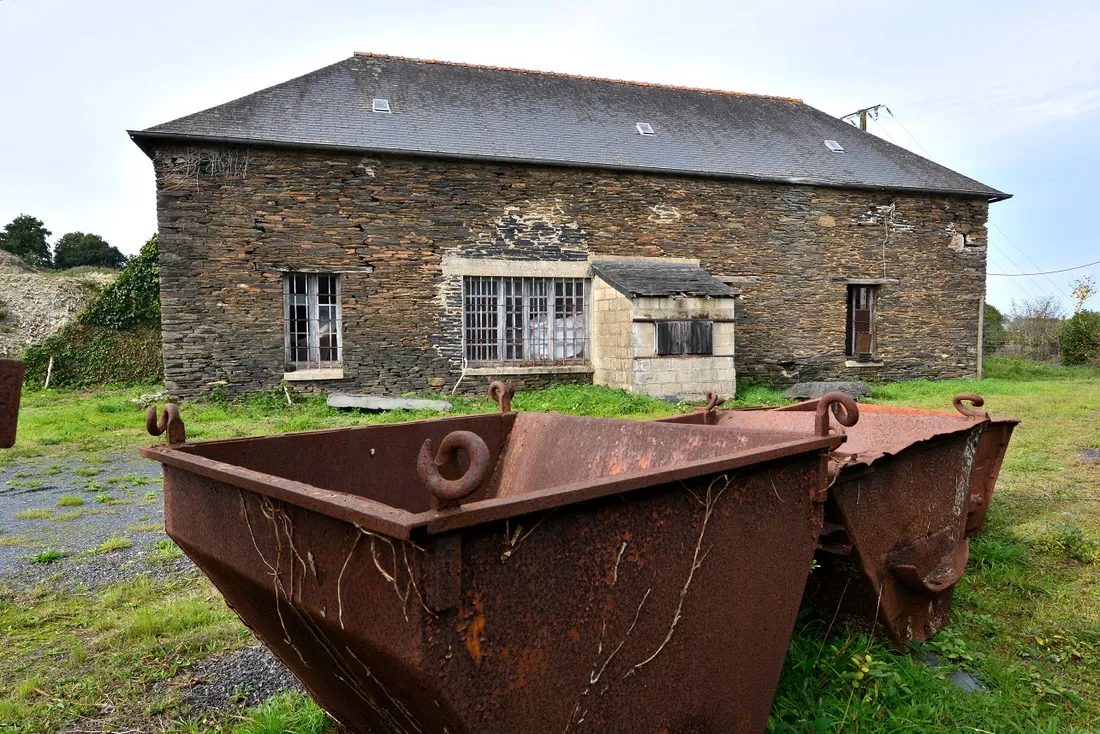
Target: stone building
column 388, row 225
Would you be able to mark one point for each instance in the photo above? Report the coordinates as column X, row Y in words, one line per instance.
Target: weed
column 104, row 498
column 24, row 483
column 164, row 551
column 14, row 540
column 113, row 544
column 151, row 496
column 69, row 500
column 67, row 516
column 39, row 514
column 147, row 528
column 86, row 472
column 48, row 556
column 285, row 712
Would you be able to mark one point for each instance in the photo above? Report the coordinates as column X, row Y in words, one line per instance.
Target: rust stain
column 474, row 630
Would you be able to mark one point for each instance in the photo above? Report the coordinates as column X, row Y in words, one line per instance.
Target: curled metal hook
column 449, row 491
column 844, row 410
column 502, row 393
column 169, row 421
column 974, row 399
column 713, row 401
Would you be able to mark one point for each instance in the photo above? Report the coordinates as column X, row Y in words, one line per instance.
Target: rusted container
column 987, row 467
column 600, row 574
column 909, row 484
column 11, row 389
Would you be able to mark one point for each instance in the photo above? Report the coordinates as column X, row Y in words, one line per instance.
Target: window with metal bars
column 860, row 336
column 525, row 321
column 311, row 309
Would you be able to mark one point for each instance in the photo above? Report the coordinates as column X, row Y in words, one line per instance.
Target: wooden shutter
column 684, row 337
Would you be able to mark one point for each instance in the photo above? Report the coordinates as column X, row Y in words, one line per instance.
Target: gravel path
column 120, row 502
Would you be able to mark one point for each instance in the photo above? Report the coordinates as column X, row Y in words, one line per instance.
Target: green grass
column 164, row 551
column 67, row 422
column 286, row 712
column 66, row 654
column 48, row 556
column 37, row 514
column 113, row 544
column 69, row 500
column 1026, row 619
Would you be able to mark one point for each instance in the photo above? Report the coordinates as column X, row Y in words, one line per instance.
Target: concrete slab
column 382, row 402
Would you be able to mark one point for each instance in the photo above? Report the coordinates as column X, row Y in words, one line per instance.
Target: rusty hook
column 974, row 399
column 448, row 491
column 713, row 401
column 502, row 393
column 844, row 410
column 169, row 421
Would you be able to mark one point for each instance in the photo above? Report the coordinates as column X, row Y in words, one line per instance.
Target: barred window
column 860, row 334
column 525, row 321
column 311, row 308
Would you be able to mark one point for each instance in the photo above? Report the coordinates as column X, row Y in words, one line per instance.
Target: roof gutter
column 143, row 139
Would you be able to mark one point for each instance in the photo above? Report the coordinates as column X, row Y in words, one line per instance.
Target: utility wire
column 1042, row 290
column 1045, row 272
column 1033, row 263
column 1018, row 283
column 1022, row 273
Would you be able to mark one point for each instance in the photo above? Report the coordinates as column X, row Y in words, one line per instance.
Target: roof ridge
column 583, row 77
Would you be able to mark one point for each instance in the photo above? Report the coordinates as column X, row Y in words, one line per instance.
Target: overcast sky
column 1005, row 92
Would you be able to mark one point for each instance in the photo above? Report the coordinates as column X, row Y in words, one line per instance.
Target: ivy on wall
column 116, row 339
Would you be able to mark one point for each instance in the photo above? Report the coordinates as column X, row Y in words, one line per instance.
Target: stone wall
column 233, row 221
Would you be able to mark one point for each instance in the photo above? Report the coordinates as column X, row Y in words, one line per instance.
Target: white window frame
column 313, row 321
column 539, row 338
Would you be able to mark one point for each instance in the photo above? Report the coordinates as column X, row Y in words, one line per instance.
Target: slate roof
column 509, row 115
column 659, row 279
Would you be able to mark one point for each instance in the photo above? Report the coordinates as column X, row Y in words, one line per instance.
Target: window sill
column 853, row 364
column 542, row 369
column 330, row 373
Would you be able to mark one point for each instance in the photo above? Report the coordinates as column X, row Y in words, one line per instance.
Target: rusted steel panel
column 11, row 389
column 910, row 486
column 603, row 561
column 987, row 467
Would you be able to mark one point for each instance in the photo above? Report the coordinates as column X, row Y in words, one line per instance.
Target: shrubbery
column 1079, row 338
column 116, row 339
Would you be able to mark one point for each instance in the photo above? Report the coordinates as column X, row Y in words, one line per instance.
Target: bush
column 134, row 298
column 116, row 339
column 1079, row 338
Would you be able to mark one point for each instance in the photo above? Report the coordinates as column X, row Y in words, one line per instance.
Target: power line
column 1046, row 272
column 903, row 127
column 1013, row 263
column 1033, row 263
column 1042, row 290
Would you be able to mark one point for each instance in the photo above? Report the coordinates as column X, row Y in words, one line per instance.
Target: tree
column 76, row 249
column 993, row 333
column 1083, row 290
column 28, row 238
column 1034, row 323
column 1080, row 339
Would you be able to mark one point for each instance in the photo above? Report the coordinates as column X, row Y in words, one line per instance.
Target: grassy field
column 1026, row 621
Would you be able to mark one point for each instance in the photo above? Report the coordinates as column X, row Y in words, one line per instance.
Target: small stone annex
column 387, row 225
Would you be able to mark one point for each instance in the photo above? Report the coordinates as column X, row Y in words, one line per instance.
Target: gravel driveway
column 105, row 515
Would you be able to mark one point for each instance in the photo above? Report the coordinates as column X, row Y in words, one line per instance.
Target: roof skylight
column 381, row 105
column 644, row 128
column 834, row 146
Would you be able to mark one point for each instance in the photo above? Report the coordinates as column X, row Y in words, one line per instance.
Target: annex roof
column 446, row 109
column 642, row 278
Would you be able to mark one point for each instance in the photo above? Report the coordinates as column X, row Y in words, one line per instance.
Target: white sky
column 1005, row 92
